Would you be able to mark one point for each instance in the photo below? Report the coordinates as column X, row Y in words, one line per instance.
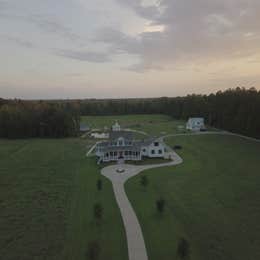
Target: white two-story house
column 122, row 145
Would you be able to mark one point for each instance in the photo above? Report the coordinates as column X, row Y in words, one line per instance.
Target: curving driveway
column 135, row 240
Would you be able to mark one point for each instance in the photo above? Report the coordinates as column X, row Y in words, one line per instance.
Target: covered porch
column 124, row 154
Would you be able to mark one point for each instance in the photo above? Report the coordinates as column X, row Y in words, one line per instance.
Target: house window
column 130, row 152
column 156, row 144
column 153, row 152
column 126, row 152
column 111, row 153
column 120, row 142
column 115, row 153
column 160, row 151
column 144, row 150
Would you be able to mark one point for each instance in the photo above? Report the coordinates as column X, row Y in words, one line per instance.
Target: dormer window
column 156, row 144
column 120, row 141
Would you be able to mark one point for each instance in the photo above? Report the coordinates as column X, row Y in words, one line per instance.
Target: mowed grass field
column 47, row 193
column 48, row 189
column 212, row 200
column 151, row 124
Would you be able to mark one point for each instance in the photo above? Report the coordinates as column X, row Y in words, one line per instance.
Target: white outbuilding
column 116, row 127
column 195, row 124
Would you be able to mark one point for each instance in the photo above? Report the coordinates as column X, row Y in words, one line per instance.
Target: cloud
column 43, row 21
column 119, row 41
column 142, row 67
column 150, row 12
column 4, row 7
column 18, row 41
column 200, row 31
column 51, row 24
column 96, row 57
column 195, row 31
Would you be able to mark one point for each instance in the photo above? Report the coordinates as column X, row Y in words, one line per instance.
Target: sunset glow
column 127, row 48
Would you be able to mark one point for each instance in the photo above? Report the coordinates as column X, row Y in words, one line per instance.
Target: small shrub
column 93, row 252
column 144, row 181
column 183, row 249
column 160, row 205
column 98, row 212
column 177, row 147
column 99, row 184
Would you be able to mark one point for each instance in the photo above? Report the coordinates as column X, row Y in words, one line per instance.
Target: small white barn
column 116, row 127
column 195, row 124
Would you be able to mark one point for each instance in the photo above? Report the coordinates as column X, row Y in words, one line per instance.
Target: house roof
column 192, row 119
column 122, row 148
column 135, row 146
column 117, row 134
column 147, row 141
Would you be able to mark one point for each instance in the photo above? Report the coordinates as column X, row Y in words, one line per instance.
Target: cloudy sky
column 127, row 48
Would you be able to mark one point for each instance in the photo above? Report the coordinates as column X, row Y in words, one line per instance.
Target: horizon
column 118, row 49
column 126, row 98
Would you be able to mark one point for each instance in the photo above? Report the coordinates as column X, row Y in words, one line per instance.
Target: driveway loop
column 135, row 240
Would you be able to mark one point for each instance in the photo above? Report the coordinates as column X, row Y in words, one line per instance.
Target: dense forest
column 235, row 110
column 21, row 119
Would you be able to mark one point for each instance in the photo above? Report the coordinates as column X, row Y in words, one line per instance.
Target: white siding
column 156, row 149
column 195, row 124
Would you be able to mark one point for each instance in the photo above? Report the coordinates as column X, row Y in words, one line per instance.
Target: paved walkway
column 89, row 153
column 135, row 240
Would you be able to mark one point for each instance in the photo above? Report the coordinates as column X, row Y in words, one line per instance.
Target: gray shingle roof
column 147, row 141
column 136, row 145
column 121, row 148
column 117, row 134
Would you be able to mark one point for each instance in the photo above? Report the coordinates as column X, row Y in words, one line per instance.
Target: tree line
column 235, row 110
column 22, row 119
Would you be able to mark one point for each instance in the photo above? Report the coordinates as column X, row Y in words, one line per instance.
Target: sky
column 127, row 48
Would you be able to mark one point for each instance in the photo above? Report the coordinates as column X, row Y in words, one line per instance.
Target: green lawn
column 48, row 189
column 151, row 124
column 47, row 192
column 212, row 200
